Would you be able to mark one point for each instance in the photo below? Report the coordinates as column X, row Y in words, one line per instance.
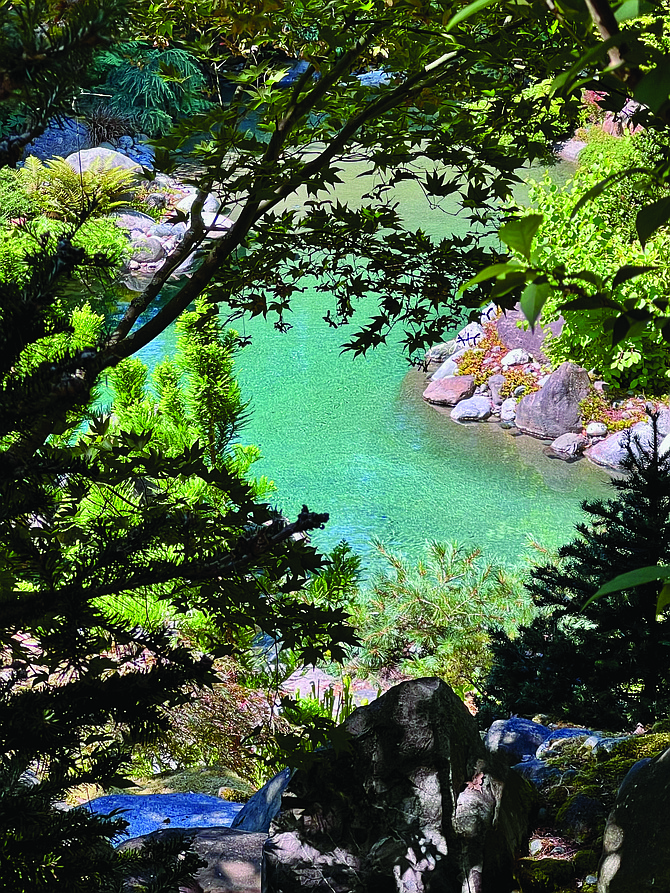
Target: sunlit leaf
column 492, row 272
column 639, row 577
column 519, row 234
column 467, row 12
column 533, row 299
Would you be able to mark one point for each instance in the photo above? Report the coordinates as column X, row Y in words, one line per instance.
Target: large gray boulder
column 611, row 451
column 233, row 857
column 414, row 804
column 554, row 409
column 103, row 159
column 450, row 391
column 636, row 846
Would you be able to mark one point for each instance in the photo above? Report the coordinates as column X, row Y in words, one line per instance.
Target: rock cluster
column 546, row 405
column 416, row 802
column 152, row 240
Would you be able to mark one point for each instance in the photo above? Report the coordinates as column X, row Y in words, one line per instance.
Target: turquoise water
column 353, row 437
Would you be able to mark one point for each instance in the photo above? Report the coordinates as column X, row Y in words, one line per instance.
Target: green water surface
column 352, row 437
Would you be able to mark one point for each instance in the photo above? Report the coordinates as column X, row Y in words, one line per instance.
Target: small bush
column 14, row 200
column 595, row 408
column 107, row 126
column 62, row 193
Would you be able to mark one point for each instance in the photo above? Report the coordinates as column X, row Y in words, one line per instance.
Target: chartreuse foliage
column 602, row 661
column 431, row 619
column 60, row 192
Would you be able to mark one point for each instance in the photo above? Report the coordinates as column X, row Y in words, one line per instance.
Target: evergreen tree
column 606, row 664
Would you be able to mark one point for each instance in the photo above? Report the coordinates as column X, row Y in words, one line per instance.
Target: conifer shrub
column 606, row 664
column 431, row 619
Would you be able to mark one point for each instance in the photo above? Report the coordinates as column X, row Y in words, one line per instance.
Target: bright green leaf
column 519, row 234
column 467, row 12
column 492, row 272
column 533, row 300
column 638, row 577
column 663, row 599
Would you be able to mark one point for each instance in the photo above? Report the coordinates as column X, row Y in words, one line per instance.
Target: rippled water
column 355, row 439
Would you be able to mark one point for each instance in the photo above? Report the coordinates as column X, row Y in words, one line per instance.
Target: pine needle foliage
column 607, row 664
column 154, row 87
column 431, row 619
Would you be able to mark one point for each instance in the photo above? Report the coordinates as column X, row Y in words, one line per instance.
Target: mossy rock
column 212, row 781
column 544, row 875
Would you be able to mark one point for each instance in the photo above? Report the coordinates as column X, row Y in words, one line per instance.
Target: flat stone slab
column 233, row 857
column 151, row 812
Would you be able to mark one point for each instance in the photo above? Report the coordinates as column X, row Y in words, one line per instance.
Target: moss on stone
column 544, row 875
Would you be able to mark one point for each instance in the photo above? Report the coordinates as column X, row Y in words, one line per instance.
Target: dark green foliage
column 45, row 48
column 151, row 87
column 609, row 664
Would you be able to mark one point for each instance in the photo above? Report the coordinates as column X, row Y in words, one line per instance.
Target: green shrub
column 431, row 619
column 62, row 193
column 598, row 241
column 96, row 236
column 154, row 87
column 605, row 664
column 14, row 200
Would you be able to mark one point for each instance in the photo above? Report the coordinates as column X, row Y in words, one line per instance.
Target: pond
column 352, row 437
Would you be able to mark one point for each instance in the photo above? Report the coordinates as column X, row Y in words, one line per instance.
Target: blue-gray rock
column 151, row 812
column 475, row 409
column 146, row 249
column 567, row 446
column 606, row 745
column 517, row 738
column 536, row 772
column 259, row 811
column 596, row 429
column 62, row 138
column 508, row 410
column 449, row 367
column 106, row 159
column 515, row 357
column 131, row 220
column 611, row 451
column 495, row 384
column 438, row 353
column 559, row 735
column 374, row 78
